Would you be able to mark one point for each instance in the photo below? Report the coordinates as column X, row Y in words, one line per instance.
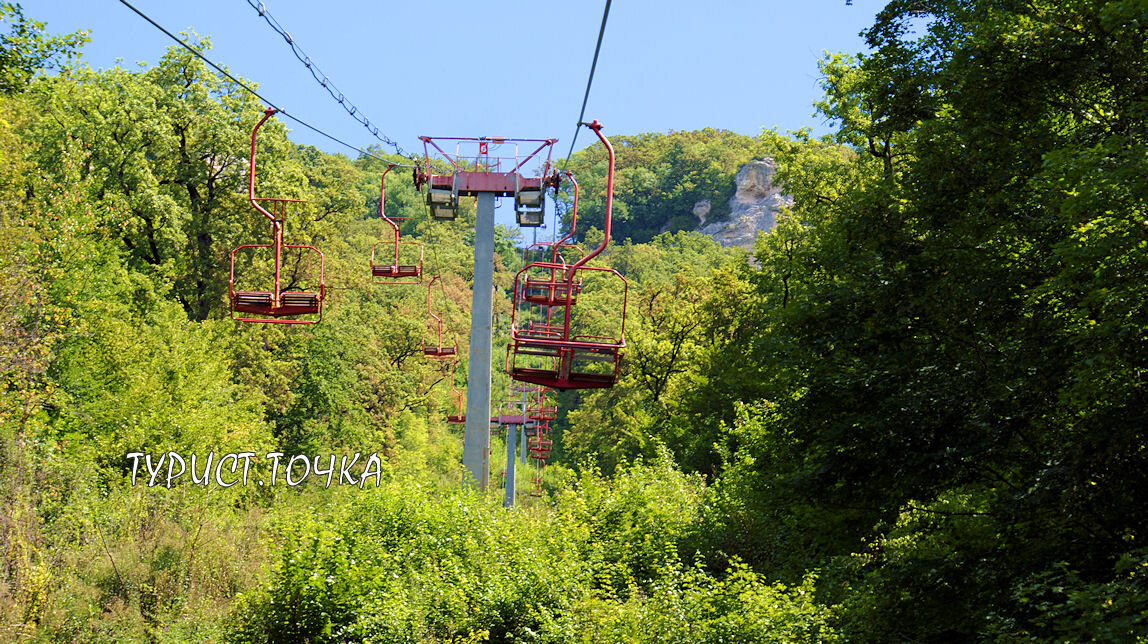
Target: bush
column 408, row 564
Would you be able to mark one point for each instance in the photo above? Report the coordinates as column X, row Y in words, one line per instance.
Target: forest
column 915, row 411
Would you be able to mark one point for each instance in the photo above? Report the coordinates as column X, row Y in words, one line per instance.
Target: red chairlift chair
column 279, row 304
column 537, row 491
column 572, row 355
column 550, row 288
column 396, row 272
column 437, row 351
column 459, row 415
column 539, row 447
column 542, row 408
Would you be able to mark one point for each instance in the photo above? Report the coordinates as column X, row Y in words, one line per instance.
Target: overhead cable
column 253, row 92
column 324, row 81
column 590, row 81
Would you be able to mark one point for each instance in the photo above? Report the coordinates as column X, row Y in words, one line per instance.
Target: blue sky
column 501, row 68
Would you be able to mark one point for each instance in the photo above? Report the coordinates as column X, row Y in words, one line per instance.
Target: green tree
column 25, row 49
column 167, row 153
column 956, row 386
column 659, row 178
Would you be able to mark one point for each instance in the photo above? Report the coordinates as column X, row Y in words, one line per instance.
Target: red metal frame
column 438, row 351
column 484, row 156
column 276, row 303
column 394, row 273
column 554, row 289
column 459, row 417
column 569, row 350
column 542, row 408
column 485, row 174
column 538, row 446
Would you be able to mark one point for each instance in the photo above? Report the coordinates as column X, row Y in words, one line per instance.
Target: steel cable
column 324, row 81
column 254, row 93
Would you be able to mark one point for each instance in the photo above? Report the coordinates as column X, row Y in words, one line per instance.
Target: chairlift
column 459, row 409
column 396, row 272
column 550, row 288
column 556, row 355
column 280, row 304
column 539, row 447
column 437, row 351
column 542, row 408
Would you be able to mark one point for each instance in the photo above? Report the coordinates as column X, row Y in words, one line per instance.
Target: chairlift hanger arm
column 383, row 199
column 437, row 319
column 439, row 351
column 267, row 113
column 597, row 128
column 573, row 219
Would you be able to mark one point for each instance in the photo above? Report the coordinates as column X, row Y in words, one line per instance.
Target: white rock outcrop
column 702, row 211
column 753, row 208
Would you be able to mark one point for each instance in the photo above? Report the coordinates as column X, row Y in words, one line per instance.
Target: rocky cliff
column 753, row 207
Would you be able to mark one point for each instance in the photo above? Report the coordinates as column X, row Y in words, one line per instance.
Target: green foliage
column 165, row 153
column 26, row 50
column 939, row 313
column 690, row 605
column 404, row 566
column 1062, row 604
column 659, row 178
column 407, row 564
column 683, row 294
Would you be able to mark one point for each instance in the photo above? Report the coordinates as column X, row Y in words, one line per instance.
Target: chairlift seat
column 551, row 293
column 546, row 352
column 554, row 379
column 543, row 413
column 596, row 355
column 299, row 299
column 439, row 352
column 290, row 303
column 392, row 271
column 252, row 301
column 540, row 336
